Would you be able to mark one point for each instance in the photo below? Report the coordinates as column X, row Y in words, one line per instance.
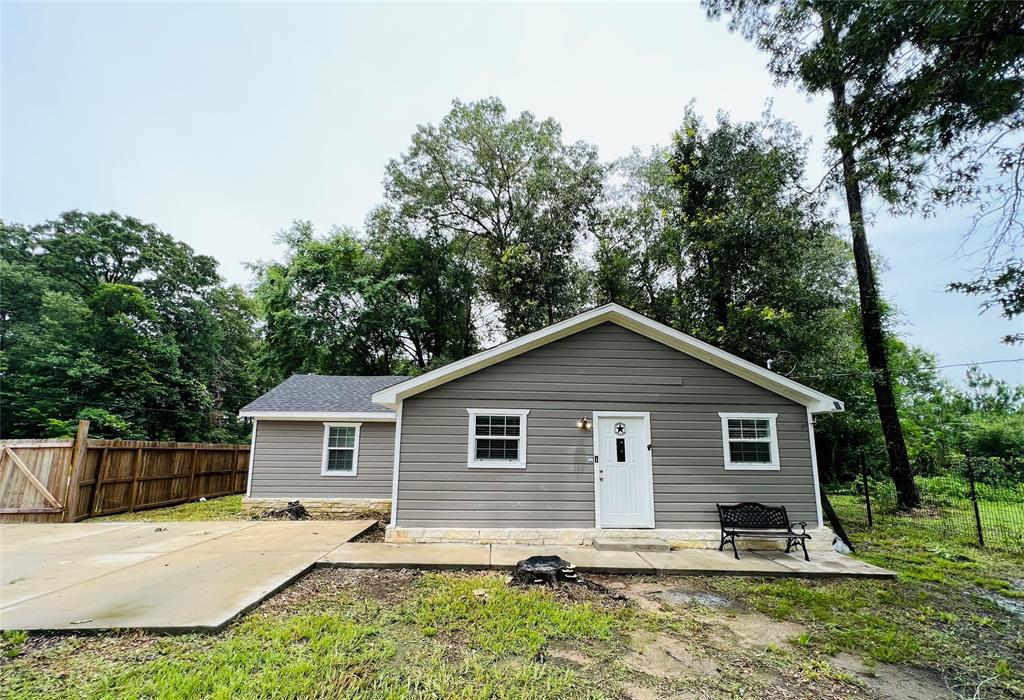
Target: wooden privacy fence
column 69, row 480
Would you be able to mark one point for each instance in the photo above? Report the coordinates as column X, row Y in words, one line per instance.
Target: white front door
column 622, row 468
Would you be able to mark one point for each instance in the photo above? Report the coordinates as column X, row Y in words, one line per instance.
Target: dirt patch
column 896, row 682
column 383, row 585
column 674, row 592
column 566, row 655
column 639, row 692
column 751, row 631
column 374, row 533
column 665, row 657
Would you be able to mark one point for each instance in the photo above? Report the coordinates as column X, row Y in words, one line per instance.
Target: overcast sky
column 222, row 123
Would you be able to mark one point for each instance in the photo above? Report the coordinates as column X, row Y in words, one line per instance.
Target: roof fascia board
column 369, row 416
column 816, row 401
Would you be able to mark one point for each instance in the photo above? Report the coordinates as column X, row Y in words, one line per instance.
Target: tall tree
column 104, row 315
column 794, row 31
column 937, row 116
column 716, row 237
column 513, row 196
column 346, row 303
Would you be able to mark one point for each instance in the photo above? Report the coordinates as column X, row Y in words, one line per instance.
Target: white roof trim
column 380, row 416
column 816, row 401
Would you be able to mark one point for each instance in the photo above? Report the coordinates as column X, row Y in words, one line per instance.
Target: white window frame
column 472, row 462
column 355, row 450
column 774, row 442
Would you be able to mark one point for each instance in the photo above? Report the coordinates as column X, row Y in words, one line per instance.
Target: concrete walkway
column 189, row 576
column 694, row 562
column 174, row 576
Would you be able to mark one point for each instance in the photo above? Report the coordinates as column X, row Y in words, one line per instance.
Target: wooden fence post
column 78, row 452
column 192, row 473
column 94, row 507
column 136, row 468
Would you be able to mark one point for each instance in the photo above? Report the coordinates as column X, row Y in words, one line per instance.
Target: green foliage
column 716, row 237
column 934, row 95
column 384, row 303
column 108, row 318
column 514, row 200
column 102, row 424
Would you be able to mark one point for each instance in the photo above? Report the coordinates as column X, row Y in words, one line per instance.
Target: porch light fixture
column 583, row 423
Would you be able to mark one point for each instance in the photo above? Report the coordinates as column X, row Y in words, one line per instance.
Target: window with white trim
column 341, row 449
column 749, row 440
column 497, row 438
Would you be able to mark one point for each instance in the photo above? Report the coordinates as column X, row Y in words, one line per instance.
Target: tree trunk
column 907, row 495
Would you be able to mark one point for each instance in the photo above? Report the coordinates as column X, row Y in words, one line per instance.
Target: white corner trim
column 472, row 462
column 364, row 416
column 355, row 450
column 815, row 400
column 814, row 469
column 774, row 465
column 396, row 467
column 252, row 458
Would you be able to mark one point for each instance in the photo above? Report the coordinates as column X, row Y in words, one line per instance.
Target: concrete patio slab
column 382, row 555
column 693, row 562
column 299, row 536
column 99, row 538
column 583, row 558
column 194, row 576
column 34, row 574
column 35, row 536
column 710, row 562
column 824, row 565
column 169, row 593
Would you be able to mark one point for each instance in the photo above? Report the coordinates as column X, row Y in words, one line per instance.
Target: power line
column 907, row 371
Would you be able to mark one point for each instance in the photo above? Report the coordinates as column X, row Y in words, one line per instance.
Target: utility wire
column 906, row 371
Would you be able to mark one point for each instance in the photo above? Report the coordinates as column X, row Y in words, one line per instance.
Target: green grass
column 511, row 621
column 391, row 634
column 948, row 513
column 454, row 637
column 224, row 508
column 939, row 613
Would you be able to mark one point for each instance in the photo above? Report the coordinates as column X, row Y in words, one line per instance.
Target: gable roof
column 321, row 396
column 816, row 401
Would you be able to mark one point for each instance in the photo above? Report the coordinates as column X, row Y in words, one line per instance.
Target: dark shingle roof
column 311, row 393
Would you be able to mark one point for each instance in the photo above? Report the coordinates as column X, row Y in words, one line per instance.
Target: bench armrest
column 802, row 524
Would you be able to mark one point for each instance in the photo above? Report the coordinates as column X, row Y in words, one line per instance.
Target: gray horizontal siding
column 286, row 462
column 605, row 368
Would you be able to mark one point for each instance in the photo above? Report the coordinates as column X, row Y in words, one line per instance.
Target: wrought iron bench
column 759, row 520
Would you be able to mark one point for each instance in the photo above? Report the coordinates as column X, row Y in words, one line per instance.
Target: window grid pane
column 749, row 429
column 501, row 449
column 497, row 426
column 750, row 452
column 342, row 437
column 340, row 460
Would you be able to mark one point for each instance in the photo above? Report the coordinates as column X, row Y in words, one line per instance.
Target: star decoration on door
column 620, row 428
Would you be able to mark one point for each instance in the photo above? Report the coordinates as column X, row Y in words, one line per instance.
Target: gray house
column 601, row 425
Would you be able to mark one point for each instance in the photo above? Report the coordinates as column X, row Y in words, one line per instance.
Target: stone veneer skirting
column 821, row 538
column 331, row 507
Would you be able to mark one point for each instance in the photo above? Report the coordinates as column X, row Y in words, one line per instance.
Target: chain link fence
column 977, row 501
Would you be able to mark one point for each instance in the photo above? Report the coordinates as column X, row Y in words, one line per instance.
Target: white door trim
column 597, row 416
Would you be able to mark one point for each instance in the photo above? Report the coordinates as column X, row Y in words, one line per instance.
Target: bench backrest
column 753, row 516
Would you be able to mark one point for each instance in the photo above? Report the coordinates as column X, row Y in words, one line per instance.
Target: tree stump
column 548, row 571
column 293, row 511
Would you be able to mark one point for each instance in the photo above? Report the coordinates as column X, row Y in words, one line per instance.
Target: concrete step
column 650, row 544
